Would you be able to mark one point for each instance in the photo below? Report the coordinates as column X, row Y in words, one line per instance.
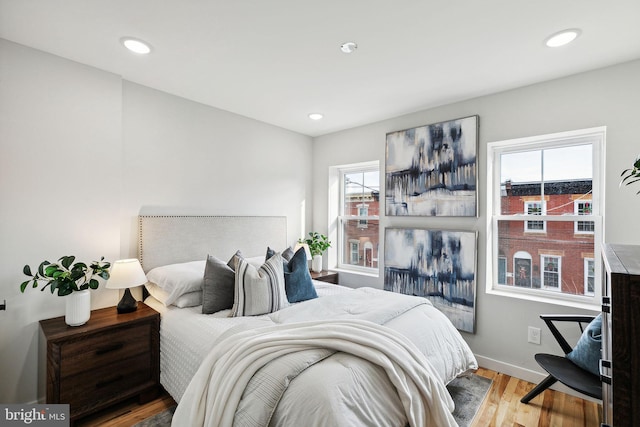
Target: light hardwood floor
column 501, row 408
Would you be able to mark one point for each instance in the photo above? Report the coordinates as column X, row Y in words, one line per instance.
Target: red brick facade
column 556, row 256
column 362, row 237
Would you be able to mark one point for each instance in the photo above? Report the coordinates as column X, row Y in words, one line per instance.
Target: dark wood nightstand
column 325, row 276
column 111, row 358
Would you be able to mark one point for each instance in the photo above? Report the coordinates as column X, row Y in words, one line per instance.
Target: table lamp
column 125, row 274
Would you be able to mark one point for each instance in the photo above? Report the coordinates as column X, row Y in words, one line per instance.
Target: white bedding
column 224, row 392
column 187, row 337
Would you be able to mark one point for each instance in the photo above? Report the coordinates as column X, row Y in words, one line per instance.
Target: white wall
column 607, row 97
column 158, row 154
column 181, row 157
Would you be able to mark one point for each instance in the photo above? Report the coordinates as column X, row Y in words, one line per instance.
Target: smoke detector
column 348, row 47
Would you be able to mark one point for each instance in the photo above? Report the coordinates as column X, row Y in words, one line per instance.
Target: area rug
column 468, row 394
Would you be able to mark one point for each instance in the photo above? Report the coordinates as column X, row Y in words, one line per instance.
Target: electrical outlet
column 533, row 335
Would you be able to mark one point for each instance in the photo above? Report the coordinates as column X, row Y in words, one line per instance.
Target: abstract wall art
column 439, row 265
column 432, row 170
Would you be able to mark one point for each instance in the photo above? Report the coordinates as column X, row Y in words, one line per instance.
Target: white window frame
column 586, row 276
column 543, row 211
column 502, row 259
column 543, row 270
column 576, row 210
column 595, row 136
column 363, row 211
column 336, row 217
column 354, row 249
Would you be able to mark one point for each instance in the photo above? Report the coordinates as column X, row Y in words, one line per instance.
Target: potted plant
column 318, row 243
column 69, row 279
column 629, row 176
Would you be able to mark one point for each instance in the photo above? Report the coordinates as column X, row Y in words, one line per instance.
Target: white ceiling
column 278, row 60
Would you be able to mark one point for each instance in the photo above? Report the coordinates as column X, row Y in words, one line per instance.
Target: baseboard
column 526, row 374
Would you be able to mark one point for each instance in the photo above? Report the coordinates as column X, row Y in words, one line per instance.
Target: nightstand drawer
column 104, row 382
column 104, row 349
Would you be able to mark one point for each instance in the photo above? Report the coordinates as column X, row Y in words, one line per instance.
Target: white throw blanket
column 217, row 388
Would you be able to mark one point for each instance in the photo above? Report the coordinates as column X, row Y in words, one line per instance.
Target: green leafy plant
column 631, row 175
column 318, row 243
column 65, row 276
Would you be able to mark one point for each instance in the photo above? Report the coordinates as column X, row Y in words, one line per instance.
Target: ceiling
column 279, row 60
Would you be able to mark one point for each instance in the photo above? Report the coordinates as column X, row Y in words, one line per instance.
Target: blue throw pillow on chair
column 588, row 351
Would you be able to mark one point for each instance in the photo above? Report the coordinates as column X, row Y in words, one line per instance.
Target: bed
column 345, row 357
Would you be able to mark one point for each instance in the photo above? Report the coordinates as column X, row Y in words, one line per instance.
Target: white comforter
column 397, row 384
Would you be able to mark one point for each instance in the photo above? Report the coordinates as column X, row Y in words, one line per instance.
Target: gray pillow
column 287, row 254
column 218, row 285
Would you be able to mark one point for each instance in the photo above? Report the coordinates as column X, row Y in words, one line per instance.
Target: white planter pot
column 316, row 263
column 78, row 308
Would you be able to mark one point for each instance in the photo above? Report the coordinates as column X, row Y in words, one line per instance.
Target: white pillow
column 178, row 279
column 259, row 290
column 190, row 299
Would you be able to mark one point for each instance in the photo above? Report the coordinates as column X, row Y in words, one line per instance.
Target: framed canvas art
column 439, row 265
column 432, row 170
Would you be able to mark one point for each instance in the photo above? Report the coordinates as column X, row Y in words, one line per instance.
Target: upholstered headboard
column 171, row 239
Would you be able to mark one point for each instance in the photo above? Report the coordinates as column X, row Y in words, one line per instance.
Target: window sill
column 592, row 305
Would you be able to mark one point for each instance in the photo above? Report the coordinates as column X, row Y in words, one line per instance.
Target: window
column 502, row 270
column 589, row 276
column 355, row 199
column 354, row 252
column 534, row 208
column 363, row 211
column 558, row 179
column 550, row 272
column 583, row 207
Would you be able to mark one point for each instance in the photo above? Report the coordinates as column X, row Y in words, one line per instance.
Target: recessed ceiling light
column 136, row 45
column 348, row 47
column 315, row 116
column 562, row 38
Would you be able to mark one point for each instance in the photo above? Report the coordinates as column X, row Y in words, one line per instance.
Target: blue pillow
column 588, row 351
column 297, row 279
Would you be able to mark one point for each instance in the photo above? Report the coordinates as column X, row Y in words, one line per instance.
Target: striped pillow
column 259, row 290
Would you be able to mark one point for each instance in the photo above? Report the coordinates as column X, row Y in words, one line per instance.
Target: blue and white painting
column 431, row 170
column 436, row 264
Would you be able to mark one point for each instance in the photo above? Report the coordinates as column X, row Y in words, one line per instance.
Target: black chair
column 562, row 369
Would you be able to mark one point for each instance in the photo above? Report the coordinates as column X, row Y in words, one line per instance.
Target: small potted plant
column 70, row 279
column 318, row 243
column 631, row 175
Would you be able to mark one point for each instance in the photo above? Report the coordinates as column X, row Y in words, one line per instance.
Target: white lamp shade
column 126, row 273
column 306, row 249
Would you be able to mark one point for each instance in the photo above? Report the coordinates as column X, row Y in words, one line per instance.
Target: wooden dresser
column 620, row 370
column 110, row 358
